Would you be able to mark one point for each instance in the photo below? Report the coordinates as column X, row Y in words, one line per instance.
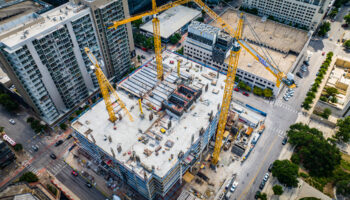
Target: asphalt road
column 21, row 131
column 77, row 185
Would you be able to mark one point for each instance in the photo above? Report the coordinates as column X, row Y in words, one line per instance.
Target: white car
column 266, row 177
column 12, row 121
column 286, row 98
column 234, row 186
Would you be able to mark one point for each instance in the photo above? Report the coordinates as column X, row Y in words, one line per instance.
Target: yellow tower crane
column 157, row 43
column 105, row 87
column 233, row 60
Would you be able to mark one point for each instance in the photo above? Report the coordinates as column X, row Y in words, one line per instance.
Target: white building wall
column 203, row 55
column 292, row 11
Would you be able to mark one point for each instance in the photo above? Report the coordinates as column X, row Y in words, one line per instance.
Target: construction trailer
column 153, row 153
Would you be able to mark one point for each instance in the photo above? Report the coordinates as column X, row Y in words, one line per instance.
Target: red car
column 323, row 53
column 245, row 94
column 236, row 89
column 74, row 173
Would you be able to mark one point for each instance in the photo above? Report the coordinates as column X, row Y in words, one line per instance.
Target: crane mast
column 105, row 87
column 226, row 100
column 157, row 43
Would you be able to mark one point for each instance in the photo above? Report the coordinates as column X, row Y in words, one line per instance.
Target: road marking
column 28, row 162
column 261, row 165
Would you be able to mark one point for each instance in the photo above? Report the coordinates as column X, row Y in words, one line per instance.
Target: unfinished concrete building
column 153, row 153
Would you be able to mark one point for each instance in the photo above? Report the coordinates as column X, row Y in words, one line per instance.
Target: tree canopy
column 7, row 102
column 347, row 18
column 324, row 28
column 277, row 189
column 316, row 154
column 29, row 177
column 343, row 133
column 286, row 172
column 347, row 44
column 343, row 188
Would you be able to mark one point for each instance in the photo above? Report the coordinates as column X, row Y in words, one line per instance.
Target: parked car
column 12, row 121
column 143, row 57
column 266, row 177
column 58, row 143
column 53, row 156
column 69, row 136
column 262, row 185
column 306, row 63
column 323, row 53
column 257, row 194
column 285, row 140
column 234, row 186
column 236, row 89
column 345, row 25
column 88, row 185
column 74, row 173
column 35, row 147
column 178, row 45
column 270, row 167
column 245, row 94
column 299, row 74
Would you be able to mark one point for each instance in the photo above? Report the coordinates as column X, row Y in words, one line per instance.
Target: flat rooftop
column 248, row 63
column 45, row 22
column 172, row 20
column 130, row 136
column 276, row 35
column 15, row 11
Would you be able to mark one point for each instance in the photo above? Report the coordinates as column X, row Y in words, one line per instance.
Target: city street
column 78, row 185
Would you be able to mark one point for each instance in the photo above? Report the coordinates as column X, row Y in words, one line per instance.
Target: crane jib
column 266, row 64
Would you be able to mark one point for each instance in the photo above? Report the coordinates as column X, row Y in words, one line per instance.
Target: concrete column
column 47, row 80
column 80, row 60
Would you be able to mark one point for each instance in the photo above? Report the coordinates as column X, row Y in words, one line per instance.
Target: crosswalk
column 29, row 146
column 57, row 167
column 279, row 132
column 31, row 168
column 280, row 103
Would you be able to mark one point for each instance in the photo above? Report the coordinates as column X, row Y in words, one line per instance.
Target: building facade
column 6, row 155
column 305, row 13
column 46, row 61
column 210, row 46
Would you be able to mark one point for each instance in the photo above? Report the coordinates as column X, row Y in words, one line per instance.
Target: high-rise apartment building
column 45, row 57
column 307, row 13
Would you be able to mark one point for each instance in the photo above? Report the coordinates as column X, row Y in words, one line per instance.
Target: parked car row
column 289, row 94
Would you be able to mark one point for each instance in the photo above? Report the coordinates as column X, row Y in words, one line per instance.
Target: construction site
column 284, row 43
column 171, row 129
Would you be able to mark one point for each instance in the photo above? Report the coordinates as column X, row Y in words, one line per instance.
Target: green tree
column 343, row 132
column 29, row 177
column 30, row 119
column 7, row 102
column 268, row 93
column 63, row 126
column 333, row 13
column 174, row 39
column 326, row 113
column 139, row 58
column 347, row 18
column 137, row 23
column 1, row 129
column 277, row 189
column 331, row 91
column 18, row 147
column 242, row 85
column 258, row 91
column 343, row 188
column 180, row 51
column 316, row 154
column 286, row 172
column 263, row 196
column 52, row 189
column 200, row 19
column 324, row 28
column 347, row 44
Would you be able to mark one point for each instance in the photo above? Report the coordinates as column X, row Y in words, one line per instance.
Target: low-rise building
column 6, row 155
column 305, row 13
column 171, row 21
